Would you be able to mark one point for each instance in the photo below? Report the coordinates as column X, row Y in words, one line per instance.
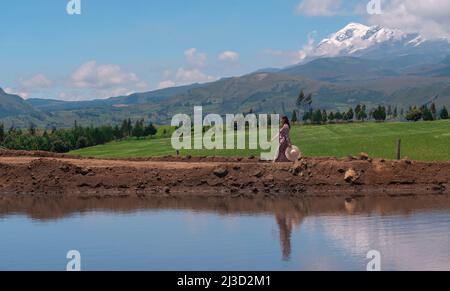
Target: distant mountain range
column 373, row 65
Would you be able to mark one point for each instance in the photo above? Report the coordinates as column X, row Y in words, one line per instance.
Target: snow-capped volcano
column 377, row 43
column 356, row 37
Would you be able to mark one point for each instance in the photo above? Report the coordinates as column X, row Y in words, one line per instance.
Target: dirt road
column 45, row 174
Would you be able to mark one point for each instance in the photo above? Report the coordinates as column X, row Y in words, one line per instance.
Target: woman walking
column 285, row 141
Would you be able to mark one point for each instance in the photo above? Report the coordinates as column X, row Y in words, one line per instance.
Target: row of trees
column 427, row 114
column 361, row 113
column 77, row 137
column 140, row 129
column 380, row 113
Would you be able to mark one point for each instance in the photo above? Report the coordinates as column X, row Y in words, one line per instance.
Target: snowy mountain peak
column 350, row 31
column 417, row 41
column 356, row 37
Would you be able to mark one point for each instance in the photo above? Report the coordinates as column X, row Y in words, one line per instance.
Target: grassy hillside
column 354, row 82
column 426, row 141
column 13, row 105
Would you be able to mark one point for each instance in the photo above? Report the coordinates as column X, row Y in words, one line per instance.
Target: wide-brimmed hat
column 293, row 153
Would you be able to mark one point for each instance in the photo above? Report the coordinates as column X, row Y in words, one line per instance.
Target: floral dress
column 285, row 141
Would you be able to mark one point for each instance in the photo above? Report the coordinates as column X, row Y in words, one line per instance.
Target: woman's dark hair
column 285, row 120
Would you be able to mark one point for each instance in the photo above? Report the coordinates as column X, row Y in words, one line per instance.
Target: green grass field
column 425, row 141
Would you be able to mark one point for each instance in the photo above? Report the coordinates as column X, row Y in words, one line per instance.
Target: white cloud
column 185, row 76
column 308, row 48
column 294, row 57
column 195, row 58
column 8, row 90
column 319, row 7
column 166, row 84
column 431, row 18
column 104, row 81
column 91, row 75
column 89, row 81
column 193, row 73
column 12, row 91
column 189, row 76
column 357, row 234
column 25, row 87
column 37, row 81
column 229, row 56
column 283, row 57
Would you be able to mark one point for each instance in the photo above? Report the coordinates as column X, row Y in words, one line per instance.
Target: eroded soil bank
column 43, row 174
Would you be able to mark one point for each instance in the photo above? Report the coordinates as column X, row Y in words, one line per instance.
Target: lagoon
column 411, row 233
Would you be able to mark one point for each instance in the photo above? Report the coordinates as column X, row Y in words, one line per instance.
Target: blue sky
column 116, row 47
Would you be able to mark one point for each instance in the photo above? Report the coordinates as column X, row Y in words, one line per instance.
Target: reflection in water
column 289, row 214
column 285, row 235
column 293, row 208
column 286, row 224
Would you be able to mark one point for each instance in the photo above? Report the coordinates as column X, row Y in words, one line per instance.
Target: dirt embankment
column 44, row 174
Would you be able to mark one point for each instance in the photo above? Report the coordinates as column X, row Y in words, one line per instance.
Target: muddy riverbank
column 44, row 174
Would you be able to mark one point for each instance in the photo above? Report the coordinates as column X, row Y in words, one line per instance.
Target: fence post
column 399, row 149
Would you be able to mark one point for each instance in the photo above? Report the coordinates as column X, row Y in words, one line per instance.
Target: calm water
column 198, row 234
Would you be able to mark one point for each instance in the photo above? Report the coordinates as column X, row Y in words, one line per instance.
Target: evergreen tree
column 294, row 118
column 389, row 111
column 358, row 110
column 338, row 116
column 299, row 102
column 371, row 112
column 304, row 103
column 379, row 114
column 126, row 128
column 150, row 130
column 383, row 114
column 139, row 130
column 324, row 117
column 32, row 129
column 317, row 116
column 60, row 146
column 427, row 115
column 82, row 142
column 117, row 132
column 363, row 114
column 129, row 127
column 308, row 116
column 309, row 101
column 331, row 117
column 350, row 114
column 433, row 111
column 443, row 114
column 98, row 136
column 395, row 113
column 300, row 99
